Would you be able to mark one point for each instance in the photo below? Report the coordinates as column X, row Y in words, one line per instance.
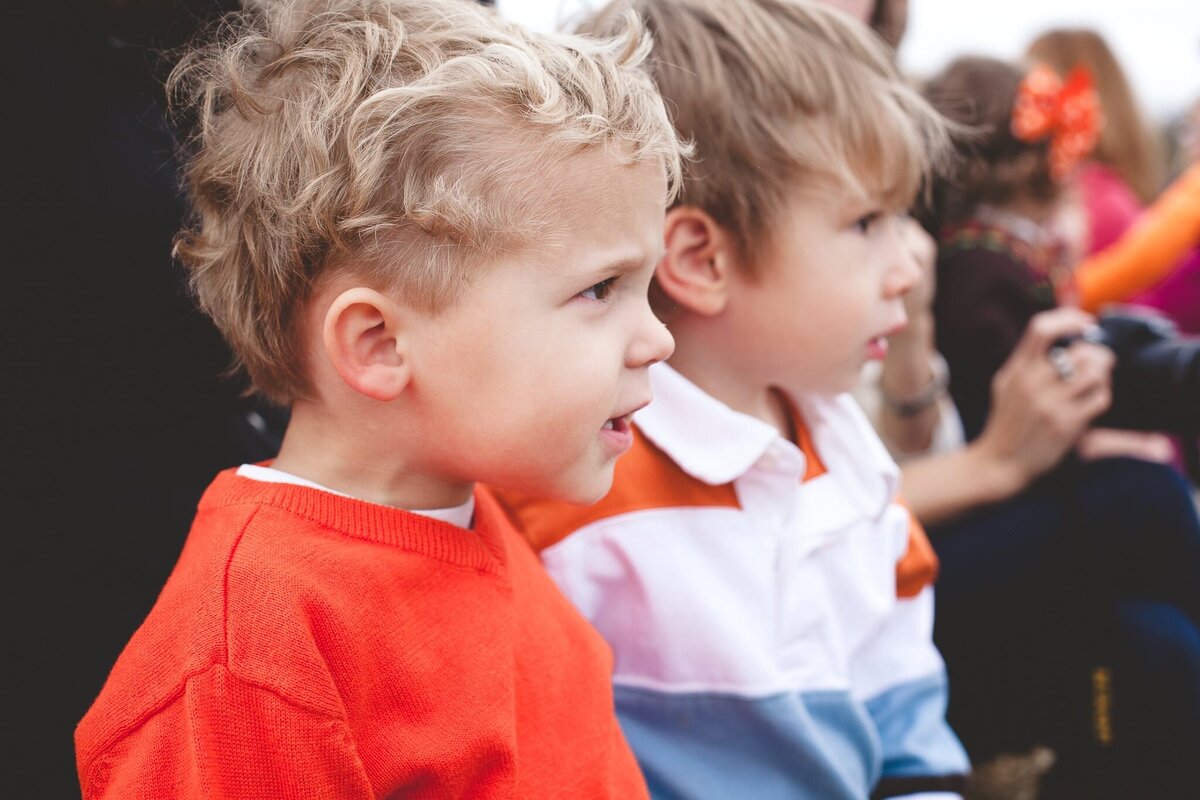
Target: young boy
column 432, row 234
column 766, row 595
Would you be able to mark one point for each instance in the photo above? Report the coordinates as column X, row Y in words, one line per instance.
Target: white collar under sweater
column 461, row 515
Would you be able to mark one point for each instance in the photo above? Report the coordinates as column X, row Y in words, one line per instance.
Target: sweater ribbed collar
column 483, row 548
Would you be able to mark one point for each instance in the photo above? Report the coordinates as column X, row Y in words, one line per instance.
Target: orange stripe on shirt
column 813, row 466
column 644, row 478
column 918, row 567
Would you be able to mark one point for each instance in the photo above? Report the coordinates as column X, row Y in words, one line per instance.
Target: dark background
column 114, row 416
column 115, row 412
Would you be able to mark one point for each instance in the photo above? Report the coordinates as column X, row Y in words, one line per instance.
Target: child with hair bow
column 1008, row 224
column 1142, row 247
column 1069, row 614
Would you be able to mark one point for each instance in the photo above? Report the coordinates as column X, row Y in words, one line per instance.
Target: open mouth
column 618, row 424
column 877, row 347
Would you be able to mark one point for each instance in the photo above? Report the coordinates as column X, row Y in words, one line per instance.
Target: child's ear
column 364, row 340
column 697, row 263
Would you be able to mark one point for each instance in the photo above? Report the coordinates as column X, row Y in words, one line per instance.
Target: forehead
column 596, row 200
column 829, row 199
column 875, row 162
column 812, row 210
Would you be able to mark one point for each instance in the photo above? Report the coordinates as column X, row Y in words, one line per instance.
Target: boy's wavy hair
column 777, row 95
column 407, row 141
column 993, row 165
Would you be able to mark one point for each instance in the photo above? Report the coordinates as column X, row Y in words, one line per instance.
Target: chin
column 572, row 484
column 586, row 496
column 584, row 492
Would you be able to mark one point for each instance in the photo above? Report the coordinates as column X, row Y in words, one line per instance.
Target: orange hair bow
column 1067, row 111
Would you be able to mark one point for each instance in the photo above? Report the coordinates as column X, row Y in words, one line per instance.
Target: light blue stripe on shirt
column 799, row 746
column 911, row 721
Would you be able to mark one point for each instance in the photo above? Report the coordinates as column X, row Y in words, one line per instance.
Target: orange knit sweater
column 1147, row 252
column 314, row 646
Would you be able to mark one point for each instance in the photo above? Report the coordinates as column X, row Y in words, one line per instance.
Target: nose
column 652, row 342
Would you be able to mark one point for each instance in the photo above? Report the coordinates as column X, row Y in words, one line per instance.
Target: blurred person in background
column 1159, row 267
column 1074, row 607
column 1034, row 606
column 1127, row 167
column 1186, row 140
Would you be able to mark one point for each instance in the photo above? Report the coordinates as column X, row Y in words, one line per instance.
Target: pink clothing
column 1112, row 208
column 1178, row 296
column 1111, row 205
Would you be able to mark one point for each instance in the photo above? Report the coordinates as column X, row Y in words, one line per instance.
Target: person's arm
column 223, row 737
column 1036, row 417
column 1148, row 251
column 942, row 486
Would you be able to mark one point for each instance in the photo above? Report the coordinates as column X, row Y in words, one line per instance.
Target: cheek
column 548, row 404
column 842, row 310
column 557, row 378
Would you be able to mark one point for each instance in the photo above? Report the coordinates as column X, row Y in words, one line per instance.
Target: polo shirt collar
column 852, row 452
column 706, row 438
column 717, row 445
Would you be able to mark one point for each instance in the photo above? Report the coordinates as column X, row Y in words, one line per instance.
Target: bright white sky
column 1157, row 41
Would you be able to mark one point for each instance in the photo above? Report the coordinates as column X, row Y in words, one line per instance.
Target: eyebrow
column 623, row 265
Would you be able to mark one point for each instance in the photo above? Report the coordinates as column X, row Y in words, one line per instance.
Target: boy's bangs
column 879, row 151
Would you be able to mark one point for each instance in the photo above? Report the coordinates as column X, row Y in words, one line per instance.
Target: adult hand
column 1039, row 411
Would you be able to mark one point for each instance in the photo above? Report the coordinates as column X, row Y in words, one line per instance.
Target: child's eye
column 867, row 221
column 599, row 291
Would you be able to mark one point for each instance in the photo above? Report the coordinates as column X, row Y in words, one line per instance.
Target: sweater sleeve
column 1147, row 252
column 222, row 737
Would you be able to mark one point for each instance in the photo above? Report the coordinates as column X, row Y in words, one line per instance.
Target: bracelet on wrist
column 915, row 404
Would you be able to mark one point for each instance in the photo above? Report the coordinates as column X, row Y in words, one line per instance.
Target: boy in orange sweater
column 431, row 233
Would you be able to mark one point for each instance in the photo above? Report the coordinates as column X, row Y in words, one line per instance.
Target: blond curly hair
column 406, row 141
